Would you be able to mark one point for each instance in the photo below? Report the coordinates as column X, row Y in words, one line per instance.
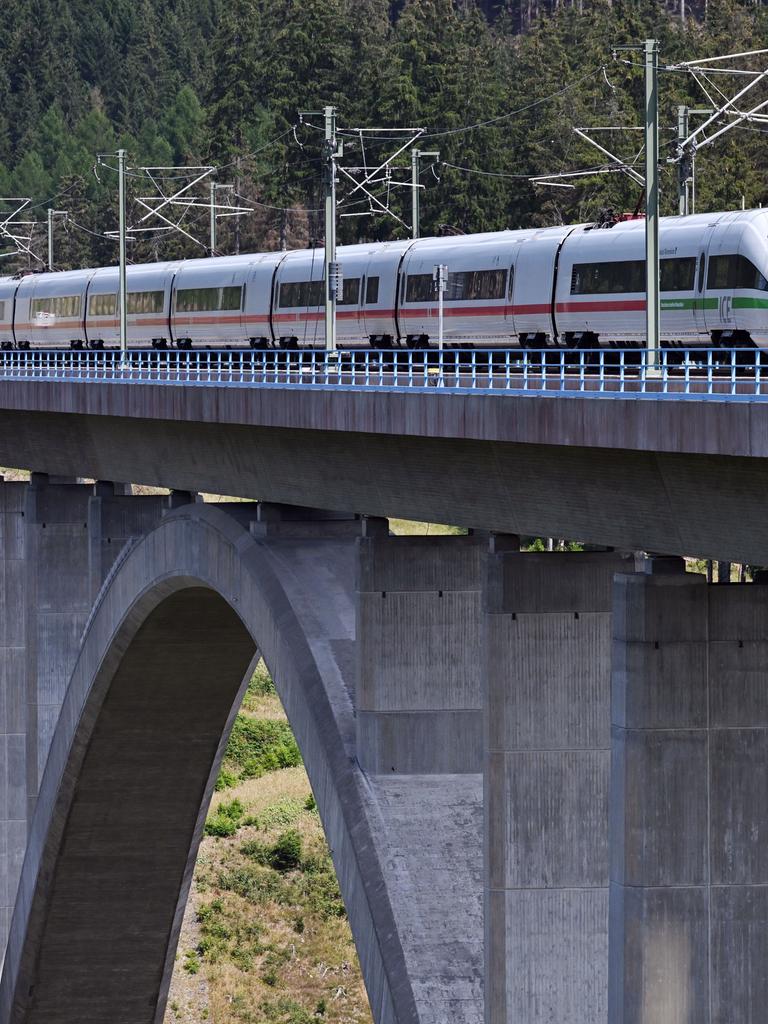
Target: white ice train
column 563, row 286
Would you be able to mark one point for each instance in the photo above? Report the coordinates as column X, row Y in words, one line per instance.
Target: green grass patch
column 255, row 747
column 226, row 820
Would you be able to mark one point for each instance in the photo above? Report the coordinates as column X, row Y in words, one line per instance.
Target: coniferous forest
column 222, row 82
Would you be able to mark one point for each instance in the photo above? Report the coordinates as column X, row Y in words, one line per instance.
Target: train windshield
column 728, row 272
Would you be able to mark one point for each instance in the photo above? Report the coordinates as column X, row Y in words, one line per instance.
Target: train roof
column 693, row 220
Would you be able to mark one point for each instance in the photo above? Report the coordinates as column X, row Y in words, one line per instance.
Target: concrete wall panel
column 659, row 939
column 418, row 688
column 739, row 806
column 417, row 743
column 739, row 954
column 551, row 680
column 419, row 650
column 557, row 805
column 554, row 941
column 738, row 678
column 659, row 831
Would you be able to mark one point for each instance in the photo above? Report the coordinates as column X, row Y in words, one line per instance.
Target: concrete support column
column 418, row 698
column 689, row 802
column 74, row 532
column 546, row 665
column 13, row 703
column 59, row 596
column 659, row 801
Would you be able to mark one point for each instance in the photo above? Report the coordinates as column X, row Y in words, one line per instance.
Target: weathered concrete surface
column 419, row 738
column 546, row 666
column 677, row 476
column 432, row 830
column 689, row 924
column 419, row 700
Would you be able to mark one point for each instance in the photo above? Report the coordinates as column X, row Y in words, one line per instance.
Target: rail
column 735, row 374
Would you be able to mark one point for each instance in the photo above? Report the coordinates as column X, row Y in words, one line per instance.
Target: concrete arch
column 134, row 758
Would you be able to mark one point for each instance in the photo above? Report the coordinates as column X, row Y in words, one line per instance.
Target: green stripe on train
column 673, row 304
column 744, row 302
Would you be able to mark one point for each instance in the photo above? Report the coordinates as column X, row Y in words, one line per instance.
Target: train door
column 350, row 318
column 509, row 305
column 718, row 293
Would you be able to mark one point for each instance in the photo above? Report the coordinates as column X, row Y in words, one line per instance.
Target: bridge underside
column 709, row 506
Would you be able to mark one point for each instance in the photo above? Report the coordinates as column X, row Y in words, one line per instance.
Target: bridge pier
column 547, row 649
column 689, row 800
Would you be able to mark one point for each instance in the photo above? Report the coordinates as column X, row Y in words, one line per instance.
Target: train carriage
column 50, row 310
column 365, row 308
column 148, row 305
column 712, row 289
column 475, row 299
column 378, row 290
column 208, row 302
column 736, row 299
column 298, row 300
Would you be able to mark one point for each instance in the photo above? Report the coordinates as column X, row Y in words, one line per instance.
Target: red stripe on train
column 606, row 306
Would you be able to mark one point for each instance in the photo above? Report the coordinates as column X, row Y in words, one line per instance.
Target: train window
column 678, row 275
column 617, row 277
column 702, row 261
column 2, row 311
column 63, row 306
column 372, row 291
column 294, row 294
column 511, row 282
column 102, row 305
column 420, row 288
column 469, row 285
column 148, row 302
column 350, row 292
column 200, row 300
column 734, row 272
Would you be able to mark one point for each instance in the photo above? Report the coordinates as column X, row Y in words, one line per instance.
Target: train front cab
column 735, row 302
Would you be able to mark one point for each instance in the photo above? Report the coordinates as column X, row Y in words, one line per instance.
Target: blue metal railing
column 692, row 373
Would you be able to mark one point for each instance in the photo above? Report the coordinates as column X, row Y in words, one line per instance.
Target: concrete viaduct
column 542, row 776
